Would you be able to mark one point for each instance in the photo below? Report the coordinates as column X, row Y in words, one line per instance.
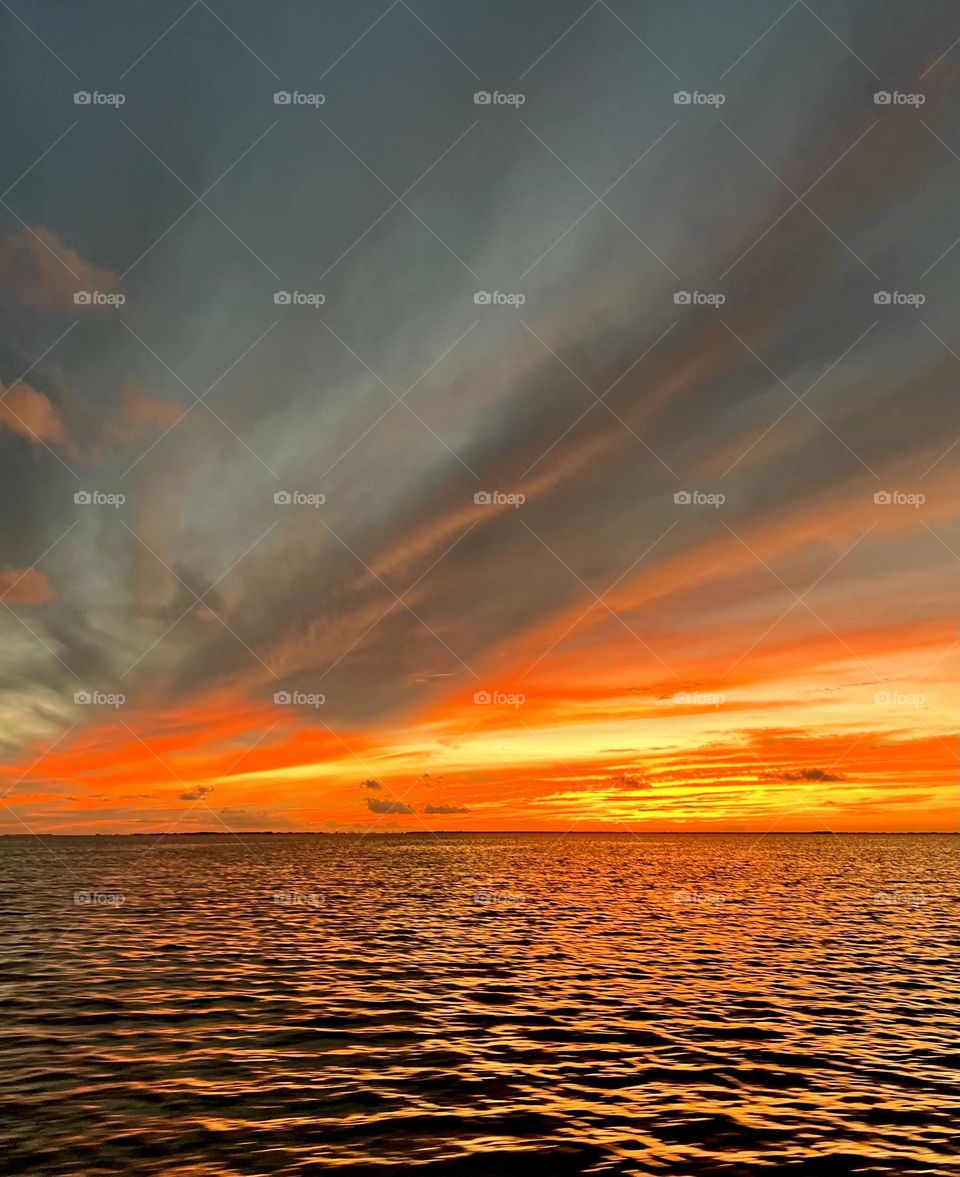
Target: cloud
column 30, row 587
column 249, row 819
column 803, row 774
column 29, row 414
column 375, row 805
column 197, row 794
column 370, row 784
column 139, row 412
column 40, row 272
column 445, row 809
column 94, row 432
column 629, row 782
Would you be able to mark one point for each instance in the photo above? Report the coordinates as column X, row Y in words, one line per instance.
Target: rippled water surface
column 541, row 1005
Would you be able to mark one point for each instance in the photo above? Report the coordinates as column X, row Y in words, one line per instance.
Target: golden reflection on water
column 543, row 1005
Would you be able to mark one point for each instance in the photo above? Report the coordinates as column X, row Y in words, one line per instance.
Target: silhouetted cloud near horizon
column 376, row 805
column 197, row 794
column 445, row 809
column 804, row 774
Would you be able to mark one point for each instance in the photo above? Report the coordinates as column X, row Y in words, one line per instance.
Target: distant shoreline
column 511, row 833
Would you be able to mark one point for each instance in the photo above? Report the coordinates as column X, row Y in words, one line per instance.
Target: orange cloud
column 30, row 587
column 39, row 271
column 139, row 412
column 29, row 414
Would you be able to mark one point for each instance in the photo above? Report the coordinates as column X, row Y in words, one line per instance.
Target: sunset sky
column 778, row 653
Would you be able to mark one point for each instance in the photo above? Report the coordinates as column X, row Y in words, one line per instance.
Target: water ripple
column 487, row 1005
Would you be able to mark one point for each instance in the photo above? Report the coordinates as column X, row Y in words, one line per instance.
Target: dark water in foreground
column 539, row 1005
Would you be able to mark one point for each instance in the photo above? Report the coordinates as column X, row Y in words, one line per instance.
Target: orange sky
column 784, row 723
column 634, row 511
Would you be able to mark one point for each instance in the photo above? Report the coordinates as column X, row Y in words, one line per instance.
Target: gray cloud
column 377, row 805
column 197, row 794
column 804, row 774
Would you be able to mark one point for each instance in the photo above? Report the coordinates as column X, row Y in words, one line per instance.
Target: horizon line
column 490, row 833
